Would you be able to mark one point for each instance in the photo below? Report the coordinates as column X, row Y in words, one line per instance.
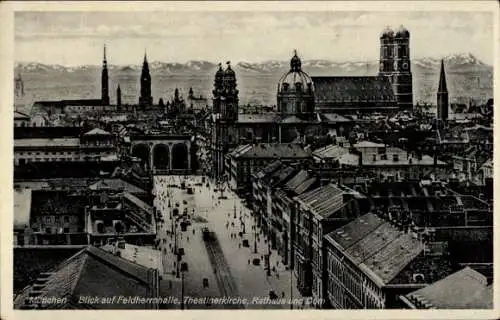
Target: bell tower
column 386, row 52
column 145, row 100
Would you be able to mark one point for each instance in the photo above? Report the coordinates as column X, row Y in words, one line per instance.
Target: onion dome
column 229, row 71
column 402, row 32
column 295, row 79
column 387, row 33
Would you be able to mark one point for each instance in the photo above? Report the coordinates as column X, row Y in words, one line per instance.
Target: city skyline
column 242, row 36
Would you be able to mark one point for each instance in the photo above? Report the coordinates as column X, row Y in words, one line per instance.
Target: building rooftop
column 464, row 289
column 300, row 182
column 336, row 118
column 322, row 201
column 345, row 89
column 271, row 150
column 46, row 143
column 144, row 256
column 375, row 245
column 332, row 151
column 269, row 169
column 258, row 118
column 95, row 273
column 368, row 144
column 98, row 132
column 115, row 184
column 20, row 116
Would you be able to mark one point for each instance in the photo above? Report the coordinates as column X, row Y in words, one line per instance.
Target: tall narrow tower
column 118, row 97
column 386, row 52
column 402, row 81
column 145, row 99
column 104, row 80
column 225, row 108
column 442, row 96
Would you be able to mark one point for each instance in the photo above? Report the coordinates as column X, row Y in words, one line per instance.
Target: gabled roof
column 464, row 289
column 97, row 131
column 375, row 245
column 339, row 89
column 93, row 272
column 331, row 151
column 269, row 169
column 322, row 201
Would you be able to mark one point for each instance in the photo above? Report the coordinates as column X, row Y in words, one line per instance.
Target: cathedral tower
column 19, row 86
column 402, row 81
column 395, row 63
column 218, row 88
column 104, row 80
column 229, row 103
column 145, row 100
column 386, row 52
column 442, row 96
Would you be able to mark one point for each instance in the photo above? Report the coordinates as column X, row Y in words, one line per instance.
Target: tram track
column 225, row 280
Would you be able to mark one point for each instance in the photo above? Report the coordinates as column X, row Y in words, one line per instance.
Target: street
column 227, row 263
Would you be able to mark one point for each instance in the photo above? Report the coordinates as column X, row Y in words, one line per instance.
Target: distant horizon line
column 247, row 61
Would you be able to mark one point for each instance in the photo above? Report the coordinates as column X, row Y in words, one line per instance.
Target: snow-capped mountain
column 453, row 62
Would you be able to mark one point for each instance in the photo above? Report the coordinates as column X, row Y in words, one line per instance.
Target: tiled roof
column 41, row 143
column 322, row 201
column 304, row 186
column 338, row 89
column 465, row 289
column 297, row 180
column 280, row 176
column 93, row 272
column 330, row 151
column 269, row 169
column 257, row 118
column 375, row 244
column 271, row 150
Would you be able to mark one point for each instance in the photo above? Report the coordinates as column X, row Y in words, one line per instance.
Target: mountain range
column 467, row 77
column 464, row 62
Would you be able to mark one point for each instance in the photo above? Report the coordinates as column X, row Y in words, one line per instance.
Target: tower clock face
column 405, row 66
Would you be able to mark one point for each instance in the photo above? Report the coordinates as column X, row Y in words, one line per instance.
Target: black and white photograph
column 210, row 156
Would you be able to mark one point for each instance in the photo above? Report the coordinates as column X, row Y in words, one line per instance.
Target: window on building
column 66, row 230
column 395, row 157
column 48, row 230
column 66, row 219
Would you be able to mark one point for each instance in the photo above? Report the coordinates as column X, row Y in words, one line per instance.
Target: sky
column 77, row 38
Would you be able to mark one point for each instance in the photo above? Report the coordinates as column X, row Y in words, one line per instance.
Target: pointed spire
column 442, row 79
column 145, row 56
column 104, row 55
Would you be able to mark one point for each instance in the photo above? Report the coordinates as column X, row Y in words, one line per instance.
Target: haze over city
column 51, row 37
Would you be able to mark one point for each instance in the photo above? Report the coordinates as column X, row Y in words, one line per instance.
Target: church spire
column 442, row 79
column 145, row 98
column 104, row 79
column 442, row 96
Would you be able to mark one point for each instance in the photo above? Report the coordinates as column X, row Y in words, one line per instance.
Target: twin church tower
column 395, row 64
column 145, row 98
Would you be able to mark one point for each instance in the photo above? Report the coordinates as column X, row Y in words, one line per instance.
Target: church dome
column 294, row 79
column 402, row 32
column 387, row 33
column 229, row 71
